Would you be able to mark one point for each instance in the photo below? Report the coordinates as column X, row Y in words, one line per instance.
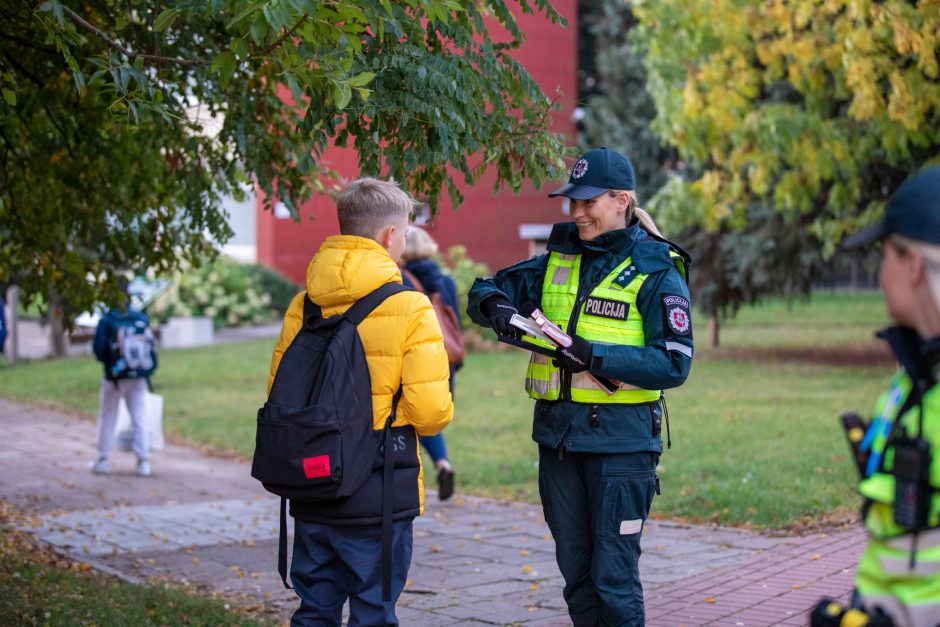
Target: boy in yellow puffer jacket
column 337, row 547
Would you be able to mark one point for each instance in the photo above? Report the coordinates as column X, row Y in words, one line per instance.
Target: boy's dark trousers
column 332, row 563
column 595, row 505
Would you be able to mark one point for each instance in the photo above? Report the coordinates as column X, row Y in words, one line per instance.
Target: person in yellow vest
column 898, row 451
column 619, row 290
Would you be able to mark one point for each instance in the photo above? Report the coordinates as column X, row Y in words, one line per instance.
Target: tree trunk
column 713, row 330
column 57, row 338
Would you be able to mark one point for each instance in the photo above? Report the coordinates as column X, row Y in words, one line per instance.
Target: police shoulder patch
column 677, row 315
column 606, row 308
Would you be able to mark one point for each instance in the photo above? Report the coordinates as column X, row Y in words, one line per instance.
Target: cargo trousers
column 595, row 505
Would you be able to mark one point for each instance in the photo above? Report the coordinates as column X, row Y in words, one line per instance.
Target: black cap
column 913, row 211
column 597, row 171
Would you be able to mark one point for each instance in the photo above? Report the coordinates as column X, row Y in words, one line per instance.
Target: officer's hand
column 577, row 357
column 500, row 311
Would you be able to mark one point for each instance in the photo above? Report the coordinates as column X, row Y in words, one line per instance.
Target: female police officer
column 898, row 579
column 619, row 290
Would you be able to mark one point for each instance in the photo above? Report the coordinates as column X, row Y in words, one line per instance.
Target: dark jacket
column 3, row 322
column 433, row 280
column 664, row 361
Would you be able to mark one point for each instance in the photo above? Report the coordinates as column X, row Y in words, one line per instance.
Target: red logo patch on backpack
column 318, row 466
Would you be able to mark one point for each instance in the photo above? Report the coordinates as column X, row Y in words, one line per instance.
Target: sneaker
column 100, row 466
column 445, row 483
column 143, row 468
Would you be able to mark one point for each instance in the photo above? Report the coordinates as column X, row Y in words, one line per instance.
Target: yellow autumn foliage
column 809, row 106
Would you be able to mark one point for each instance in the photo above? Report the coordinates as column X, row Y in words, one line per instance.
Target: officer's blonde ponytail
column 646, row 221
column 634, row 210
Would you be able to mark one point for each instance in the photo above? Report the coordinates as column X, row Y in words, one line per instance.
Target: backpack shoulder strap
column 311, row 310
column 364, row 306
column 414, row 280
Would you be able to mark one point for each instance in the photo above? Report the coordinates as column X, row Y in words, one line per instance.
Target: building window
column 537, row 237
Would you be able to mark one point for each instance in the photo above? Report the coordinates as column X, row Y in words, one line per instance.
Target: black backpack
column 315, row 440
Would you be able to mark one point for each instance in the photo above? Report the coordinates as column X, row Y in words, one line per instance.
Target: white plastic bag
column 153, row 419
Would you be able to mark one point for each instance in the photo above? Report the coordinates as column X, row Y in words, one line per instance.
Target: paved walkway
column 204, row 521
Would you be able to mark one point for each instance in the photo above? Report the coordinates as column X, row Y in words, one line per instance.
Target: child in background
column 419, row 267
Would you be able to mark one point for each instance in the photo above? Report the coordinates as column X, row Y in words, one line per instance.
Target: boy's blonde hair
column 367, row 204
column 419, row 245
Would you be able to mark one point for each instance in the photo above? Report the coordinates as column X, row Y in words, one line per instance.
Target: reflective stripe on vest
column 911, row 596
column 612, row 319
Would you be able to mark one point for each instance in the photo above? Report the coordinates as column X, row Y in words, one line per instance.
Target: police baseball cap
column 913, row 211
column 597, row 171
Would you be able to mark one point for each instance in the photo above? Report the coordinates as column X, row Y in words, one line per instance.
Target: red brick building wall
column 487, row 224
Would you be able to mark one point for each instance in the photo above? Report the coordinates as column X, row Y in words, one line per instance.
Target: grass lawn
column 754, row 442
column 830, row 319
column 40, row 588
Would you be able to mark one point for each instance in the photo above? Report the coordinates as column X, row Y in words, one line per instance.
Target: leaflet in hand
column 541, row 327
column 552, row 330
column 529, row 327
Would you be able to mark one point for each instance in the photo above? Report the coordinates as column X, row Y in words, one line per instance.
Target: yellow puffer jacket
column 401, row 337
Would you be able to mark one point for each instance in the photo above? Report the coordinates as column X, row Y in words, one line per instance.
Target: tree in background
column 122, row 122
column 731, row 268
column 736, row 267
column 618, row 110
column 816, row 109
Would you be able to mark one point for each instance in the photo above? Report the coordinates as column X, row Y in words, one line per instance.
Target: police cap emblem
column 579, row 169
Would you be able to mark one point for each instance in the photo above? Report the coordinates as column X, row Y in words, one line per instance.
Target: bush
column 281, row 289
column 228, row 291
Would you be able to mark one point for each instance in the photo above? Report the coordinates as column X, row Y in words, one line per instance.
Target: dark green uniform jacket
column 663, row 362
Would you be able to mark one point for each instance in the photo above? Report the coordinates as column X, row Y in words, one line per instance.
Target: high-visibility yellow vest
column 885, row 577
column 607, row 316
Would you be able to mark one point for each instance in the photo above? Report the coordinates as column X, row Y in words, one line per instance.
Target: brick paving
column 204, row 521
